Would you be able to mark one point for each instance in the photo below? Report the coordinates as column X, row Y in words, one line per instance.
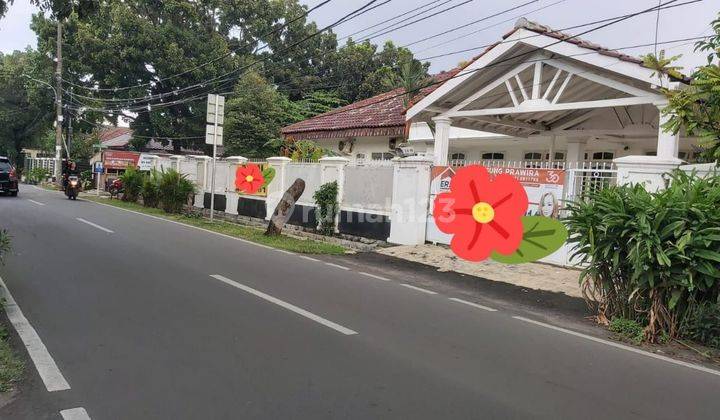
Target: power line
column 471, row 23
column 354, row 14
column 149, row 98
column 376, row 34
column 391, row 19
column 615, row 20
column 665, row 6
column 285, row 25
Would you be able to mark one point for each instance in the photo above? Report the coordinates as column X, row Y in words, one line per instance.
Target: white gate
column 581, row 179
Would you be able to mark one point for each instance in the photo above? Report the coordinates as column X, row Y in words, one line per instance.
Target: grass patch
column 627, row 329
column 303, row 246
column 11, row 367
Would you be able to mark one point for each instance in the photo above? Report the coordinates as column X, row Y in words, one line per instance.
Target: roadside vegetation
column 11, row 368
column 288, row 243
column 653, row 259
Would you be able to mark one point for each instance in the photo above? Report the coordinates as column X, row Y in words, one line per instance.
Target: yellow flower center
column 483, row 212
column 249, row 178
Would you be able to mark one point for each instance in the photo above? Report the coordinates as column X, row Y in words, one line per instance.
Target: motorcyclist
column 70, row 170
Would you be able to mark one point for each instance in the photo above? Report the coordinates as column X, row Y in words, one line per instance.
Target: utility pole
column 58, row 105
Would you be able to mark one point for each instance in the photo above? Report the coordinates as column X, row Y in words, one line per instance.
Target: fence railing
column 520, row 164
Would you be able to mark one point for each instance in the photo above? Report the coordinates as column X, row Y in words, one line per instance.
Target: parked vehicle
column 115, row 188
column 73, row 187
column 8, row 177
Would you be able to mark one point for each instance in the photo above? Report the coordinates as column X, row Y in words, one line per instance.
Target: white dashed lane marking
column 419, row 289
column 286, row 305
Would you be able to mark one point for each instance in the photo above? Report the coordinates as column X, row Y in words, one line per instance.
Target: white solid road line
column 373, row 276
column 183, row 224
column 75, row 414
column 36, row 202
column 621, row 346
column 419, row 289
column 337, row 266
column 288, row 306
column 41, row 358
column 80, row 219
column 474, row 305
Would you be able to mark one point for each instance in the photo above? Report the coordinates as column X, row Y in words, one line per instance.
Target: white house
column 539, row 97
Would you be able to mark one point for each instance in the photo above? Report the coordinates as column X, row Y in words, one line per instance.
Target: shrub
column 703, row 324
column 650, row 256
column 132, row 181
column 628, row 329
column 37, row 175
column 175, row 191
column 326, row 207
column 150, row 190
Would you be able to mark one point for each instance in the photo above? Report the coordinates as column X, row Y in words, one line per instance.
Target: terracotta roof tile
column 384, row 110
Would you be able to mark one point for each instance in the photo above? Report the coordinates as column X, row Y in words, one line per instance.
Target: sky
column 682, row 22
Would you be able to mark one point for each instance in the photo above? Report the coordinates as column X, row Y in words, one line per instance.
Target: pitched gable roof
column 381, row 115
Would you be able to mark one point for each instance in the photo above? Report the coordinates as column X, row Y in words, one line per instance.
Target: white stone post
column 175, row 161
column 575, row 151
column 668, row 144
column 200, row 195
column 411, row 193
column 333, row 169
column 441, row 147
column 231, row 195
column 277, row 187
column 651, row 171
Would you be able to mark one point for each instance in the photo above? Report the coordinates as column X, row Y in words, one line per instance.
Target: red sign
column 532, row 176
column 116, row 159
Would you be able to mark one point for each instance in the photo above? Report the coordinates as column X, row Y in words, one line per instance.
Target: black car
column 8, row 177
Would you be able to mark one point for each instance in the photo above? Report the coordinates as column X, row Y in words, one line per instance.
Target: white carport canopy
column 535, row 85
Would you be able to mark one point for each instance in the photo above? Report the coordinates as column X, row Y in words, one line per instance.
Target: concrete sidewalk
column 532, row 276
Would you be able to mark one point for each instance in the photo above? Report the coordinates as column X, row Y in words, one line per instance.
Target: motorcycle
column 115, row 188
column 73, row 187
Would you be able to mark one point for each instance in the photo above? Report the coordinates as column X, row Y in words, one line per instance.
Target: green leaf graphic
column 268, row 175
column 542, row 236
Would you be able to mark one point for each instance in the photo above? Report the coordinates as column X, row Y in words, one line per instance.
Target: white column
column 333, row 169
column 668, row 144
column 200, row 195
column 411, row 193
column 277, row 187
column 575, row 150
column 442, row 140
column 652, row 171
column 231, row 195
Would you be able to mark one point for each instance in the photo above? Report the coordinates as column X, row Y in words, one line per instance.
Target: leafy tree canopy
column 696, row 108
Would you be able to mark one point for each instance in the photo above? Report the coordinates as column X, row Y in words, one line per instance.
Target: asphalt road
column 140, row 329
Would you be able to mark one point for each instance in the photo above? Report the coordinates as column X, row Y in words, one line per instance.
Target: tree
column 26, row 108
column 255, row 113
column 697, row 107
column 360, row 71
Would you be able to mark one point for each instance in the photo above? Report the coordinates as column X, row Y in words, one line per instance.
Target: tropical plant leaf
column 268, row 174
column 541, row 237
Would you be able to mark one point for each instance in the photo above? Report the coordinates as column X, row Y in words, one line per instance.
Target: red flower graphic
column 483, row 214
column 249, row 179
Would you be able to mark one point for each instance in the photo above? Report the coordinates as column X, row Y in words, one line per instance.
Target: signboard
column 98, row 168
column 145, row 162
column 210, row 135
column 214, row 100
column 544, row 187
column 117, row 159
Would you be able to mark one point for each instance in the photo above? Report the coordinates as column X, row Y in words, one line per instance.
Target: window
column 533, row 156
column 382, row 156
column 457, row 156
column 493, row 156
column 603, row 156
column 558, row 156
column 360, row 156
column 5, row 166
